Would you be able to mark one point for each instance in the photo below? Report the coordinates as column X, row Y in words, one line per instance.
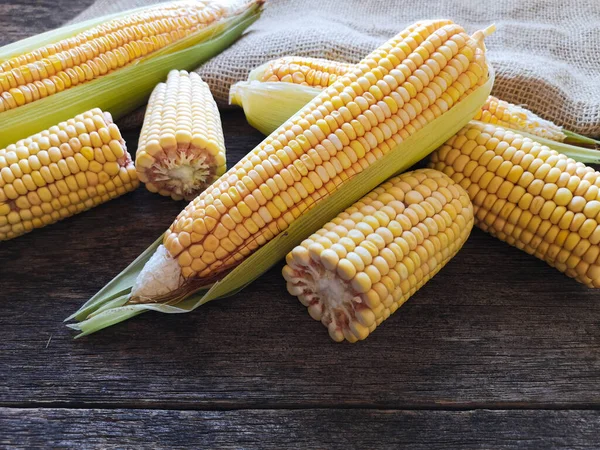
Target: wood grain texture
column 496, row 327
column 299, row 429
column 22, row 18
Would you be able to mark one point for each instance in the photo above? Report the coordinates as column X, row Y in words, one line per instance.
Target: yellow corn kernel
column 499, row 112
column 306, row 71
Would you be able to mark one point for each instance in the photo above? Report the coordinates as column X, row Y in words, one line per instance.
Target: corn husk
column 106, row 308
column 125, row 89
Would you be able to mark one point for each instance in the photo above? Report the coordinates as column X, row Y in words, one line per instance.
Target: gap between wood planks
column 229, row 406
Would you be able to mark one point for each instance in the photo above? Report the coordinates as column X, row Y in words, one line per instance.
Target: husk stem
column 127, row 88
column 399, row 159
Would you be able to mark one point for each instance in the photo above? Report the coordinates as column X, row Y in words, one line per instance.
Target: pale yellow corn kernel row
column 305, row 71
column 352, row 124
column 360, row 267
column 181, row 147
column 506, row 114
column 67, row 169
column 98, row 51
column 529, row 196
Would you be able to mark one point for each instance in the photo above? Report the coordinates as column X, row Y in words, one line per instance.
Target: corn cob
column 59, row 74
column 359, row 268
column 315, row 72
column 267, row 103
column 62, row 171
column 529, row 196
column 390, row 112
column 98, row 51
column 181, row 147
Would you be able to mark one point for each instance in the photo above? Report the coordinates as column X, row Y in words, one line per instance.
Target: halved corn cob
column 359, row 268
column 270, row 97
column 181, row 147
column 62, row 171
column 97, row 64
column 529, row 196
column 389, row 113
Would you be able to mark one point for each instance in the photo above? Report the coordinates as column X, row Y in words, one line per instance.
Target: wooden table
column 498, row 351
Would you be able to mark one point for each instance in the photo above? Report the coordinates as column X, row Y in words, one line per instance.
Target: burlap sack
column 546, row 53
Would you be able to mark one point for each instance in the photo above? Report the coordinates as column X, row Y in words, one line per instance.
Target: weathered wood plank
column 20, row 19
column 276, row 429
column 494, row 327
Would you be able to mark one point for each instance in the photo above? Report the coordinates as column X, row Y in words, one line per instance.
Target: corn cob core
column 62, row 171
column 529, row 196
column 508, row 115
column 314, row 72
column 181, row 147
column 358, row 269
column 406, row 84
column 100, row 50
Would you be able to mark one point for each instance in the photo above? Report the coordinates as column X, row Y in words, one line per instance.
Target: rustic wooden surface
column 499, row 350
column 306, row 429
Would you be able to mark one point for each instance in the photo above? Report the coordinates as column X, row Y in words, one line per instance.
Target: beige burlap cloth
column 546, row 53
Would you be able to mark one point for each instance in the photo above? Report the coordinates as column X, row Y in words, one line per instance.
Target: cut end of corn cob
column 359, row 268
column 529, row 196
column 181, row 147
column 62, row 171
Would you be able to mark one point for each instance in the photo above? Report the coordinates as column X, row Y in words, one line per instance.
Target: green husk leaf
column 581, row 140
column 269, row 104
column 127, row 88
column 403, row 156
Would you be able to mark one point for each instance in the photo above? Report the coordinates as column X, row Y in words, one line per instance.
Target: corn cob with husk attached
column 529, row 196
column 62, row 171
column 359, row 268
column 181, row 148
column 112, row 62
column 395, row 107
column 278, row 88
